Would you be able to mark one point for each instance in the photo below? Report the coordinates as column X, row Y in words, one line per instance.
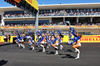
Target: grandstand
column 84, row 16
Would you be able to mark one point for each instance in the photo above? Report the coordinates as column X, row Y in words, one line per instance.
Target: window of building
column 98, row 9
column 14, row 12
column 50, row 11
column 26, row 22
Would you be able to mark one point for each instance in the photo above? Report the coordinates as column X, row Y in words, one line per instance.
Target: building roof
column 70, row 6
column 56, row 6
column 10, row 9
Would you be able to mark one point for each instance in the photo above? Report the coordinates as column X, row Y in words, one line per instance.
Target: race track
column 11, row 55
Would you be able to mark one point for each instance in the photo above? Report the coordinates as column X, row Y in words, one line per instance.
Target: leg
column 78, row 51
column 19, row 43
column 61, row 46
column 32, row 46
column 29, row 42
column 23, row 44
column 56, row 48
column 42, row 45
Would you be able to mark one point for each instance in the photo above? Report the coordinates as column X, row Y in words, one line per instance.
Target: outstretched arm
column 73, row 32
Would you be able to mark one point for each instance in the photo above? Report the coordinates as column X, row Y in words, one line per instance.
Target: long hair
column 79, row 34
column 33, row 36
column 61, row 35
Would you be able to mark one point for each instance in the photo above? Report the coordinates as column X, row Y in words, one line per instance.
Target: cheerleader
column 76, row 43
column 22, row 41
column 70, row 37
column 43, row 42
column 38, row 38
column 55, row 44
column 52, row 37
column 18, row 40
column 60, row 41
column 31, row 41
column 48, row 39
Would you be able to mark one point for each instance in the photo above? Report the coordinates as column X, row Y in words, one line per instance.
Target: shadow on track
column 3, row 62
column 6, row 44
column 69, row 50
column 39, row 51
column 67, row 56
column 51, row 52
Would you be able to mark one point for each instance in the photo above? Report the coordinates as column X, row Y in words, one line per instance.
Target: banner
column 84, row 39
column 11, row 38
column 1, row 39
column 90, row 38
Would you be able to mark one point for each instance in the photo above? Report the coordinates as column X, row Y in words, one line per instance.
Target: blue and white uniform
column 18, row 39
column 31, row 39
column 21, row 39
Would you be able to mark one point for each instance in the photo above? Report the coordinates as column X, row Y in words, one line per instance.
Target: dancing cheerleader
column 60, row 39
column 48, row 39
column 38, row 37
column 22, row 41
column 31, row 41
column 18, row 40
column 55, row 44
column 76, row 43
column 43, row 42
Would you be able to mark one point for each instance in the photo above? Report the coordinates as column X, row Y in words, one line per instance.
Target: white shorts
column 57, row 43
column 22, row 40
column 43, row 42
column 31, row 42
column 79, row 44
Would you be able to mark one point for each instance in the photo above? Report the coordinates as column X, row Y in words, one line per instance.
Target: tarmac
column 11, row 55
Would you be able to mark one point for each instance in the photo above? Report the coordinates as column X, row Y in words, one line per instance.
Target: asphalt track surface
column 11, row 55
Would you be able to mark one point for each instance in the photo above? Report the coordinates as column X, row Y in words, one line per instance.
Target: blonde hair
column 79, row 34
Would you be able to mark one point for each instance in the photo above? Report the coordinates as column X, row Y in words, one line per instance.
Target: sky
column 45, row 2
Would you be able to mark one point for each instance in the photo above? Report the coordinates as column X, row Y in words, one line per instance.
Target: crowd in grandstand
column 65, row 13
column 18, row 15
column 41, row 24
column 56, row 13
